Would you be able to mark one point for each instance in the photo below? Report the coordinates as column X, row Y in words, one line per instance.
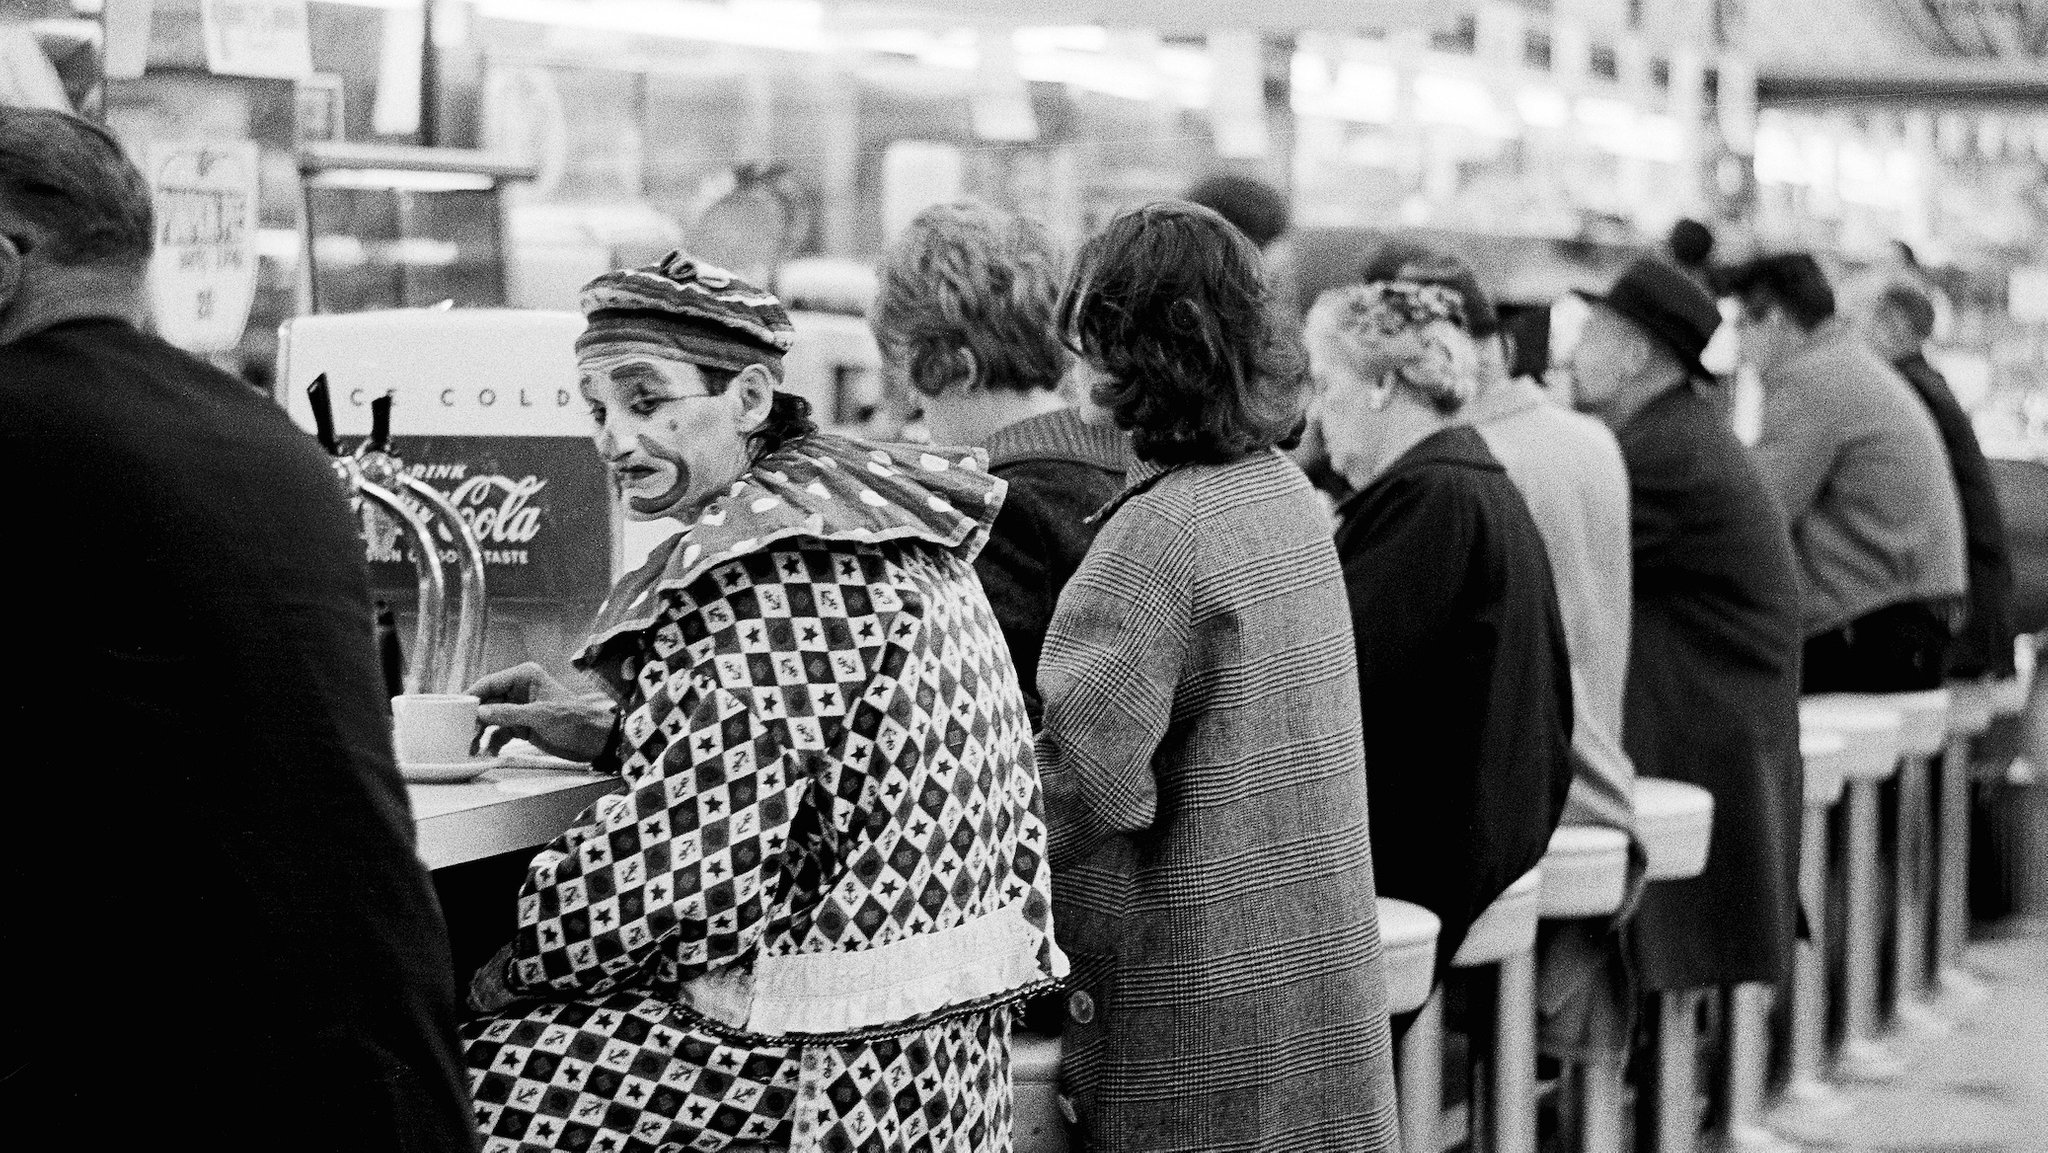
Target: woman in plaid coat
column 1202, row 754
column 802, row 924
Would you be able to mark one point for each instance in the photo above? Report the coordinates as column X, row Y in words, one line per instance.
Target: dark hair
column 1254, row 206
column 789, row 415
column 1527, row 334
column 1912, row 304
column 970, row 276
column 1172, row 303
column 1793, row 281
column 1400, row 258
column 1690, row 243
column 69, row 178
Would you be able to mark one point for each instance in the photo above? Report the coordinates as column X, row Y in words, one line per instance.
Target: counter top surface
column 504, row 810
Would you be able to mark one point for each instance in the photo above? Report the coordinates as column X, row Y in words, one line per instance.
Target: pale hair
column 1407, row 334
column 68, row 178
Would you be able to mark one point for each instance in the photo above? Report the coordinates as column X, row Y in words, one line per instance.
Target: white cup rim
column 435, row 697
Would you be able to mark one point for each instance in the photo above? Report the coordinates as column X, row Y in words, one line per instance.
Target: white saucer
column 449, row 774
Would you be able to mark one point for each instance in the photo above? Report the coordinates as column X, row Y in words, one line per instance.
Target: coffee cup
column 434, row 728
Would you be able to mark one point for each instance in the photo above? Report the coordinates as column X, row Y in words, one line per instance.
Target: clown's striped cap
column 700, row 297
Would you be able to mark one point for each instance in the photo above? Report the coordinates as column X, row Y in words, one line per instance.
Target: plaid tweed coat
column 804, row 920
column 1205, row 787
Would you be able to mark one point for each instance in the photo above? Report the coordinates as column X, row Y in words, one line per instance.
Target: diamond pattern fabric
column 826, row 756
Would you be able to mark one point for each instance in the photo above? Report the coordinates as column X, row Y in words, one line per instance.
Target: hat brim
column 1688, row 361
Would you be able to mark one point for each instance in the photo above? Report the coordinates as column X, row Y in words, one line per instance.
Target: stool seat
column 1973, row 705
column 1872, row 734
column 1036, row 1123
column 1827, row 758
column 1585, row 872
column 1923, row 717
column 1507, row 927
column 1674, row 822
column 1408, row 935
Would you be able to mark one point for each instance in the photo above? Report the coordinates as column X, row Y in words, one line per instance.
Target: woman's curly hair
column 1172, row 303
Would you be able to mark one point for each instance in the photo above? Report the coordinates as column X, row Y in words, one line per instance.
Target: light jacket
column 1863, row 480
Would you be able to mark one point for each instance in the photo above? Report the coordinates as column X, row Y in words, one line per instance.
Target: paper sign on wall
column 263, row 38
column 203, row 279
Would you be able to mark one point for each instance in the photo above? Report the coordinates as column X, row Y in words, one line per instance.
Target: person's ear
column 970, row 369
column 753, row 392
column 11, row 260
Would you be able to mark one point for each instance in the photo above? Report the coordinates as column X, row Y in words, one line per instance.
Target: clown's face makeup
column 670, row 445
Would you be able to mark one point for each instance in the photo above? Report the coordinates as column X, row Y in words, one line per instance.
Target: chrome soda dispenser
column 448, row 646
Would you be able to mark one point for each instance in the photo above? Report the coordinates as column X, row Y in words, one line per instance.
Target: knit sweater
column 1863, row 480
column 1061, row 471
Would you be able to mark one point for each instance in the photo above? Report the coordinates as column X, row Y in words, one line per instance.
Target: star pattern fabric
column 825, row 753
column 623, row 1074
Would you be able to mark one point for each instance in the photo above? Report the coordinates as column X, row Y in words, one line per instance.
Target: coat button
column 1081, row 1007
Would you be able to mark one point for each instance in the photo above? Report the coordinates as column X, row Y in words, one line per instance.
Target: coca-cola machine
column 484, row 408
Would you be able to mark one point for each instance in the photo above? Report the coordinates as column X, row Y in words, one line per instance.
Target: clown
column 802, row 924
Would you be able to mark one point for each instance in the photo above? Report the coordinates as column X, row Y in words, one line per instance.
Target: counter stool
column 1974, row 705
column 1503, row 1109
column 1408, row 934
column 1037, row 1123
column 1585, row 874
column 1674, row 824
column 1873, row 734
column 1829, row 757
column 1923, row 734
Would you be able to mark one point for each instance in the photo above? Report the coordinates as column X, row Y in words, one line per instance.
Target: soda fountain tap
column 374, row 479
column 461, row 660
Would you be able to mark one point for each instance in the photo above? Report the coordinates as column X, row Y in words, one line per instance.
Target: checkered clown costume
column 804, row 922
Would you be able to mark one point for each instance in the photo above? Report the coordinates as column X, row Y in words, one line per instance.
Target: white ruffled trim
column 822, row 993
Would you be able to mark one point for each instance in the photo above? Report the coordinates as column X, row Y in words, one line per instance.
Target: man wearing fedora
column 1859, row 468
column 1713, row 676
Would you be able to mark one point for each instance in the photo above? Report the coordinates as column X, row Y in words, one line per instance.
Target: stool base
column 1868, row 1060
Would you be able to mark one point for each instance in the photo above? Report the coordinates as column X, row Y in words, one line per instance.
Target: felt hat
column 1669, row 306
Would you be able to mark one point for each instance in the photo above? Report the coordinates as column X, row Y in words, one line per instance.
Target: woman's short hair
column 1413, row 334
column 68, row 178
column 1172, row 303
column 970, row 276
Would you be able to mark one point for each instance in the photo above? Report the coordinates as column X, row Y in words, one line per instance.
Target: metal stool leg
column 1952, row 890
column 1678, row 1123
column 1602, row 1108
column 1748, row 1060
column 1422, row 1078
column 1863, row 1055
column 1912, row 894
column 1810, row 984
column 1514, row 1056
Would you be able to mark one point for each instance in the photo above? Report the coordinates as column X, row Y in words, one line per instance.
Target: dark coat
column 1983, row 645
column 1062, row 471
column 1713, row 691
column 1464, row 679
column 1205, row 791
column 221, row 927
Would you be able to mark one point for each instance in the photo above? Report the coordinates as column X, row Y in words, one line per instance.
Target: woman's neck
column 1405, row 424
column 969, row 419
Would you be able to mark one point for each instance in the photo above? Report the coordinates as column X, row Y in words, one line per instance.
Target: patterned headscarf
column 686, row 310
column 1416, row 332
